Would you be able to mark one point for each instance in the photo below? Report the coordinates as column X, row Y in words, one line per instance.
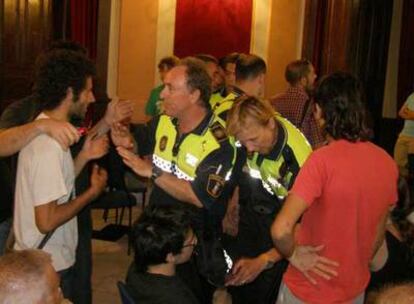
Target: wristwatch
column 156, row 172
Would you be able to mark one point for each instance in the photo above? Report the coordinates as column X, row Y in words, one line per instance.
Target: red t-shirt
column 348, row 187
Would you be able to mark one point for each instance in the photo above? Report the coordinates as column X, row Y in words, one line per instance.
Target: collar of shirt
column 299, row 90
column 238, row 92
column 201, row 128
column 278, row 146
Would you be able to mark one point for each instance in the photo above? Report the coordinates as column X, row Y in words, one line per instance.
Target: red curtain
column 84, row 24
column 215, row 27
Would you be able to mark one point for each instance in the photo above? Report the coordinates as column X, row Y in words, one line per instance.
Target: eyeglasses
column 192, row 242
column 190, row 245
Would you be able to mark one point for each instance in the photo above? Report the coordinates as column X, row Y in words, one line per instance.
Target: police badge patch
column 215, row 185
column 163, row 143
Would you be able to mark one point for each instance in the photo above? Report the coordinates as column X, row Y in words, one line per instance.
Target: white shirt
column 45, row 173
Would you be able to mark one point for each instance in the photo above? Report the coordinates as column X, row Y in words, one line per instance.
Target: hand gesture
column 98, row 180
column 95, row 147
column 246, row 270
column 118, row 111
column 136, row 163
column 121, row 137
column 306, row 259
column 61, row 131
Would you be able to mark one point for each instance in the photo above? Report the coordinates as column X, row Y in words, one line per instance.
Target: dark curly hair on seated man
column 60, row 70
column 340, row 97
column 159, row 231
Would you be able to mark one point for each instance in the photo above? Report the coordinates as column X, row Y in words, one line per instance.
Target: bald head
column 28, row 277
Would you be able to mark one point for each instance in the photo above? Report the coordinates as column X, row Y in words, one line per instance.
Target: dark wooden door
column 25, row 30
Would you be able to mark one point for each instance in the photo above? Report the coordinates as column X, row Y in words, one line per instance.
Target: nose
column 92, row 98
column 163, row 93
column 249, row 147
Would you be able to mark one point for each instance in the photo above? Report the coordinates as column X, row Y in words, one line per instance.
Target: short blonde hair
column 247, row 108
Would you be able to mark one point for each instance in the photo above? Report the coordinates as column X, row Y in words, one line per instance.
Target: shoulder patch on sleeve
column 215, row 185
column 218, row 132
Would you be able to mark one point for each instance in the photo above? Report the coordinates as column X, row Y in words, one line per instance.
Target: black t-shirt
column 147, row 288
column 222, row 157
column 16, row 114
column 399, row 266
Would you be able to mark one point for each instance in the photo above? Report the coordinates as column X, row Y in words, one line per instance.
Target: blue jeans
column 5, row 227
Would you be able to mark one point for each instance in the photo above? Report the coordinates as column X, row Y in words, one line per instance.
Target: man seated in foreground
column 28, row 277
column 163, row 238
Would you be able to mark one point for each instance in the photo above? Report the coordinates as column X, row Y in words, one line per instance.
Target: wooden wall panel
column 26, row 31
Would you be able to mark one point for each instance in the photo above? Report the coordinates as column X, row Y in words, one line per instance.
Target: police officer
column 277, row 150
column 191, row 155
column 250, row 78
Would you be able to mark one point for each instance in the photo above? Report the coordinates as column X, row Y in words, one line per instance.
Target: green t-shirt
column 153, row 106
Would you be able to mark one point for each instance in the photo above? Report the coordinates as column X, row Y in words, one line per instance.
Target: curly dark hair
column 56, row 72
column 198, row 78
column 340, row 97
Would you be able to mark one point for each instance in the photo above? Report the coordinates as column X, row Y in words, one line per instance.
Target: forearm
column 272, row 256
column 285, row 244
column 57, row 215
column 101, row 127
column 405, row 113
column 80, row 162
column 14, row 139
column 179, row 189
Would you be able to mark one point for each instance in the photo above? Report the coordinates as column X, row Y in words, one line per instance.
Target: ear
column 261, row 78
column 303, row 81
column 195, row 95
column 318, row 114
column 271, row 124
column 170, row 258
column 69, row 94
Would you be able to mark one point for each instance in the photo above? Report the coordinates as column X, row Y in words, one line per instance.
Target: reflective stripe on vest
column 192, row 151
column 170, row 167
column 269, row 170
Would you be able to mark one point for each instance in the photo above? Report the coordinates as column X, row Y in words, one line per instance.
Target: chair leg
column 122, row 215
column 129, row 230
column 105, row 214
column 143, row 199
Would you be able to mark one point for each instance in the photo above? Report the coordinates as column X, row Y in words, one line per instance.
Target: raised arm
column 14, row 139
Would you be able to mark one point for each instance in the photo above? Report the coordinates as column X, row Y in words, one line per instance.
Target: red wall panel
column 215, row 27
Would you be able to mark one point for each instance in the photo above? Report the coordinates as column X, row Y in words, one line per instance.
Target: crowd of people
column 283, row 200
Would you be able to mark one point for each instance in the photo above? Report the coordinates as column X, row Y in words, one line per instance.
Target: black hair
column 296, row 70
column 340, row 97
column 229, row 58
column 249, row 66
column 67, row 45
column 56, row 72
column 206, row 58
column 159, row 231
column 198, row 78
